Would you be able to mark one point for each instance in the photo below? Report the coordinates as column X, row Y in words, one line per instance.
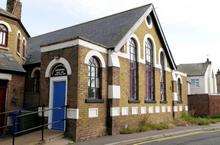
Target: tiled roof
column 193, row 69
column 107, row 32
column 8, row 63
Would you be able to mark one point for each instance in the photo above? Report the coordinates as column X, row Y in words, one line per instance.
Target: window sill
column 134, row 101
column 5, row 48
column 163, row 102
column 178, row 102
column 94, row 101
column 150, row 101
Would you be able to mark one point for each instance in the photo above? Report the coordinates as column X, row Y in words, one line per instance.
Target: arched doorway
column 58, row 97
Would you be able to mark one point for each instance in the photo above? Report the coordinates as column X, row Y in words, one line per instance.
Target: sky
column 191, row 26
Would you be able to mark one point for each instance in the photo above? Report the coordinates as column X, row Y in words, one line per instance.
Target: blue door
column 59, row 94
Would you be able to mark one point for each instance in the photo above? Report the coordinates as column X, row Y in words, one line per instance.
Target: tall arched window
column 36, row 81
column 162, row 78
column 3, row 35
column 94, row 79
column 179, row 90
column 133, row 70
column 19, row 43
column 149, row 55
column 24, row 48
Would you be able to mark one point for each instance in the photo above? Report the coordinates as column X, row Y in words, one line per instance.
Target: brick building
column 13, row 39
column 112, row 73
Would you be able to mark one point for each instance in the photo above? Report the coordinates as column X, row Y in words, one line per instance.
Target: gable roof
column 8, row 63
column 193, row 69
column 106, row 32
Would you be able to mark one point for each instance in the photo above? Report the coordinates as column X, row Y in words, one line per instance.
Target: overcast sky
column 191, row 26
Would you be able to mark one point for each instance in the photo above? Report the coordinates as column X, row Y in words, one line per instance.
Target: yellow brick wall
column 12, row 38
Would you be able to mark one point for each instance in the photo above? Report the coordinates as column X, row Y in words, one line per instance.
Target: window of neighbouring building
column 133, row 70
column 195, row 82
column 162, row 78
column 149, row 56
column 94, row 79
column 3, row 35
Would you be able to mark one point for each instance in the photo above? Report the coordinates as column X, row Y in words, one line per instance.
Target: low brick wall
column 204, row 104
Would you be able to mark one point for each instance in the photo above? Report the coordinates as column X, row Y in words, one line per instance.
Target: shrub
column 129, row 130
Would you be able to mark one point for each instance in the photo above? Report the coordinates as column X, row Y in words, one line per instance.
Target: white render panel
column 180, row 108
column 93, row 112
column 163, row 109
column 134, row 110
column 157, row 109
column 124, row 111
column 115, row 111
column 72, row 113
column 168, row 108
column 175, row 109
column 143, row 110
column 151, row 109
column 186, row 108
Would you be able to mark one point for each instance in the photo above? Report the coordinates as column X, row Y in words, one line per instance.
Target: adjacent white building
column 201, row 77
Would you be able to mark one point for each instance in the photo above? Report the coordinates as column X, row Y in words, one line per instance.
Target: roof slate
column 194, row 69
column 8, row 63
column 107, row 32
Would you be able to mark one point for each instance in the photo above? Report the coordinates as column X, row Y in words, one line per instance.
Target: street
column 197, row 138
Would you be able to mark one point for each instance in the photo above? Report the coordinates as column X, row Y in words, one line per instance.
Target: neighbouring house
column 203, row 98
column 13, row 48
column 201, row 77
column 218, row 81
column 97, row 77
column 111, row 73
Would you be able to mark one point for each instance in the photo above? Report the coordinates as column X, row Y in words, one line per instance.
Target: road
column 196, row 138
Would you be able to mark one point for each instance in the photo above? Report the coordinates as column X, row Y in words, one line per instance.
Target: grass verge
column 145, row 127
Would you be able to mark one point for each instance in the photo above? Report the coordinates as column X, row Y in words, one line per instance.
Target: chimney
column 14, row 7
column 208, row 61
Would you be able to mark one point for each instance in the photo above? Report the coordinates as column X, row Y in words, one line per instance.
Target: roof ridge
column 93, row 20
column 193, row 63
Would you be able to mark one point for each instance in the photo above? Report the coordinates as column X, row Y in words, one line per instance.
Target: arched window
column 94, row 79
column 36, row 81
column 24, row 48
column 19, row 43
column 162, row 78
column 133, row 70
column 179, row 90
column 149, row 70
column 3, row 35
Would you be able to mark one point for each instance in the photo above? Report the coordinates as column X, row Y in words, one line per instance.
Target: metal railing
column 16, row 115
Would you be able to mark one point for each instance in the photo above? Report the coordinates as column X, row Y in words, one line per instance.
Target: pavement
column 56, row 138
column 34, row 138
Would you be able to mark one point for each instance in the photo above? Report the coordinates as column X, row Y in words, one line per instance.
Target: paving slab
column 31, row 138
